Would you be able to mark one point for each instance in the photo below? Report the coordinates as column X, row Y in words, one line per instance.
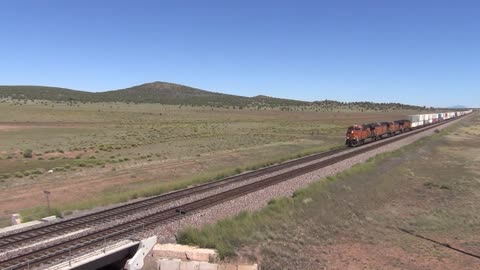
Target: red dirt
column 76, row 186
column 11, row 126
column 355, row 255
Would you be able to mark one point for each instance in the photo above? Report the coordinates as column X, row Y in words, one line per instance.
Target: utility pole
column 46, row 192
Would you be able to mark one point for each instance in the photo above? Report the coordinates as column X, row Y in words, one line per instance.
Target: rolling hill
column 457, row 107
column 156, row 92
column 176, row 94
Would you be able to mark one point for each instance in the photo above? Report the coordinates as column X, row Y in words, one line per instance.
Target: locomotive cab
column 354, row 135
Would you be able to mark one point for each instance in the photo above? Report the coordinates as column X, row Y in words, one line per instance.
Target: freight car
column 361, row 134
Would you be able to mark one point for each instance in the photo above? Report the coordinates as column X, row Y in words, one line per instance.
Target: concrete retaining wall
column 177, row 264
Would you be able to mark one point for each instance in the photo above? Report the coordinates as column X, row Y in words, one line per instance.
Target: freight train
column 365, row 133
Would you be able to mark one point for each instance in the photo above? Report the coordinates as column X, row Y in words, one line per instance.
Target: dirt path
column 10, row 126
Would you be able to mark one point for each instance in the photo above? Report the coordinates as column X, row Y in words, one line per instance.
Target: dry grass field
column 354, row 220
column 102, row 153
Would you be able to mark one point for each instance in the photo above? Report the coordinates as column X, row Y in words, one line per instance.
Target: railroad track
column 63, row 250
column 23, row 238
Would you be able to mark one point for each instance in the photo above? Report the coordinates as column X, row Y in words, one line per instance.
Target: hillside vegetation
column 175, row 94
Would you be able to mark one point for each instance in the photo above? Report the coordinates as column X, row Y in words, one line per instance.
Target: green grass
column 38, row 213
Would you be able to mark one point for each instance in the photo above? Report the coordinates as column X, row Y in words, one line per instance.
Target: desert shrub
column 37, row 171
column 28, row 153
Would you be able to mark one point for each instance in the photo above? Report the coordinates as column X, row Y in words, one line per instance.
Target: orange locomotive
column 360, row 134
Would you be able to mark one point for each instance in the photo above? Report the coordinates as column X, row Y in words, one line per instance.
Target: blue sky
column 418, row 52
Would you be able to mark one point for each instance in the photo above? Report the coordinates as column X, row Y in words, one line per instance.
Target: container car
column 416, row 120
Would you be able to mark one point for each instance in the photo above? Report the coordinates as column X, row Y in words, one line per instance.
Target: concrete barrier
column 185, row 253
column 177, row 264
column 168, row 264
column 182, row 257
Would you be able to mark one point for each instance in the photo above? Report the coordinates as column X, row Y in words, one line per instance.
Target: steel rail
column 16, row 240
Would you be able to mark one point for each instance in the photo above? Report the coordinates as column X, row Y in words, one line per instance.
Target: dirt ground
column 431, row 189
column 82, row 185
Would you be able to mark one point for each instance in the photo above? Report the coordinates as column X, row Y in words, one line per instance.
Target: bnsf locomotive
column 361, row 134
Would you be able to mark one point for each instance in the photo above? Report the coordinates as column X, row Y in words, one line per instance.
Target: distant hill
column 43, row 93
column 176, row 94
column 156, row 92
column 457, row 107
column 169, row 93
